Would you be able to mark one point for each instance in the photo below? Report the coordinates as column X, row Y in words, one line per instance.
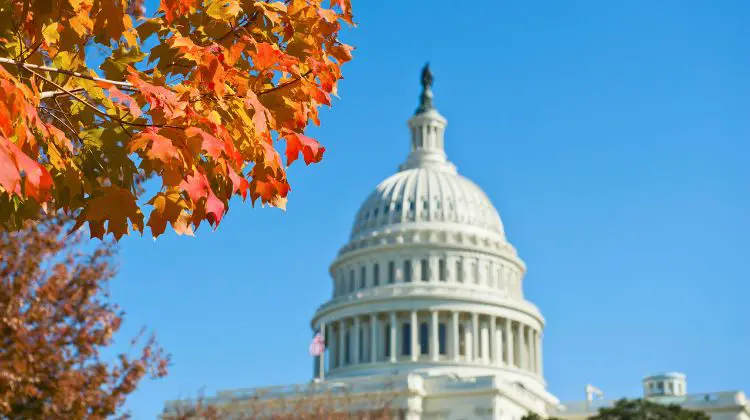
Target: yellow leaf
column 51, row 33
column 223, row 9
column 130, row 35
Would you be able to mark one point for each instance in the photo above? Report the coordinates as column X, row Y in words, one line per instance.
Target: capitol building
column 428, row 311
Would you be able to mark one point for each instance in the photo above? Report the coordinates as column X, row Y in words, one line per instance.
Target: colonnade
column 430, row 336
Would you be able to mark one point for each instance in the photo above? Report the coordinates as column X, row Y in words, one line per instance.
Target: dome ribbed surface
column 426, row 195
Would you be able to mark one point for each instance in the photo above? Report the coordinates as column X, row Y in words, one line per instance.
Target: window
column 441, row 270
column 459, row 271
column 424, row 338
column 375, row 275
column 363, row 278
column 442, row 338
column 406, row 339
column 347, row 348
column 461, row 340
column 425, row 269
column 387, row 341
column 391, row 272
column 476, row 272
column 362, row 345
column 490, row 282
column 398, row 207
column 351, row 281
column 407, row 271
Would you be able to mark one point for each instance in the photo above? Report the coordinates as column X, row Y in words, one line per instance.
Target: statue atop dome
column 425, row 98
column 426, row 76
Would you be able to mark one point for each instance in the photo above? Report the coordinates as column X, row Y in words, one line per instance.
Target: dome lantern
column 427, row 128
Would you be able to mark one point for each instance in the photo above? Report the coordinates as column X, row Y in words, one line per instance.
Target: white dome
column 427, row 281
column 423, row 195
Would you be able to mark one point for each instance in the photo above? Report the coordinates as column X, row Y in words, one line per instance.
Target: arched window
column 406, row 339
column 424, row 338
column 375, row 275
column 387, row 339
column 391, row 272
column 442, row 338
column 459, row 271
column 363, row 278
column 425, row 269
column 351, row 281
column 441, row 270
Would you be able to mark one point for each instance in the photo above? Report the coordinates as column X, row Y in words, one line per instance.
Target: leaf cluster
column 94, row 96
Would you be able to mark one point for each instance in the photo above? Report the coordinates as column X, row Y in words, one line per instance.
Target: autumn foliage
column 202, row 95
column 55, row 320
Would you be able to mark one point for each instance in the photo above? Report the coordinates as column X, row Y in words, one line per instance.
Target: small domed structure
column 668, row 384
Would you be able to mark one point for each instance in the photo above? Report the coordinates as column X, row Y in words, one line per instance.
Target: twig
column 99, row 111
column 281, row 86
column 28, row 66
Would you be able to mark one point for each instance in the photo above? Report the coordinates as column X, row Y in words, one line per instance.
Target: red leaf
column 312, row 151
column 13, row 163
column 155, row 146
column 212, row 145
column 126, row 100
column 214, row 209
column 196, row 186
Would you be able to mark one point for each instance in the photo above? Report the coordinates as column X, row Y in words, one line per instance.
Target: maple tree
column 94, row 94
column 55, row 320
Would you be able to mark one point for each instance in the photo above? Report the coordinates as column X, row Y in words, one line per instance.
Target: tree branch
column 99, row 111
column 28, row 66
column 282, row 86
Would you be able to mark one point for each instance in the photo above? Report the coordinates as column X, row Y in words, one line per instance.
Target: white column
column 355, row 356
column 322, row 357
column 434, row 336
column 342, row 343
column 539, row 363
column 454, row 333
column 493, row 340
column 522, row 347
column 414, row 337
column 373, row 338
column 475, row 335
column 509, row 341
column 394, row 336
column 531, row 364
column 484, row 339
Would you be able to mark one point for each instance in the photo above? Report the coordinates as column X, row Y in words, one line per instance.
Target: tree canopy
column 95, row 95
column 638, row 409
column 55, row 321
column 641, row 409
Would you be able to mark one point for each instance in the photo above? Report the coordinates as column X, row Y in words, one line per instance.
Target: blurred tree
column 646, row 410
column 55, row 319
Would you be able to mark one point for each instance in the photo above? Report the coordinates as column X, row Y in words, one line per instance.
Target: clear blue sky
column 613, row 137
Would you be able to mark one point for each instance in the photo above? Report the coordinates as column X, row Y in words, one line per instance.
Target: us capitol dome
column 428, row 282
column 428, row 319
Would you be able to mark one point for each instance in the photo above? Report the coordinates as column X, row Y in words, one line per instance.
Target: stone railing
column 455, row 291
column 336, row 387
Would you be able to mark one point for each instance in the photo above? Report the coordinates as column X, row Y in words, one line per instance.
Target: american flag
column 318, row 345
